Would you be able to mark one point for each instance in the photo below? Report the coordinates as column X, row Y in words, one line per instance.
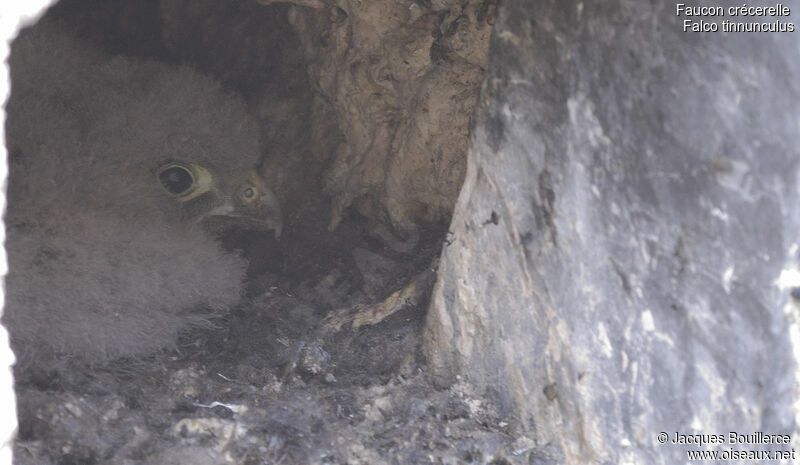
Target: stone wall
column 629, row 205
column 401, row 78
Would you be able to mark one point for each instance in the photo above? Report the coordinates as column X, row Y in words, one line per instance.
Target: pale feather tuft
column 100, row 265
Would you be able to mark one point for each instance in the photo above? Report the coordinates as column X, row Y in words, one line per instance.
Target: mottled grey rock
column 630, row 200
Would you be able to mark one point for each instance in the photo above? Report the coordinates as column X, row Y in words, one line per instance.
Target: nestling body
column 104, row 263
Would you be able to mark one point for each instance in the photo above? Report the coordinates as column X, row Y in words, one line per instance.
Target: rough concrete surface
column 630, row 201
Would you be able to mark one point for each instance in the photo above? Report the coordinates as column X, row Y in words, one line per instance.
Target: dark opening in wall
column 209, row 199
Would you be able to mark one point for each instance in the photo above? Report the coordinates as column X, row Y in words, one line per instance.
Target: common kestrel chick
column 104, row 263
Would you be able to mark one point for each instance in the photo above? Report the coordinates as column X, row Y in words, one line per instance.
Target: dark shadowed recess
column 254, row 51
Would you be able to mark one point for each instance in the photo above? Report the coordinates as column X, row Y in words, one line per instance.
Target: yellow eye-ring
column 184, row 181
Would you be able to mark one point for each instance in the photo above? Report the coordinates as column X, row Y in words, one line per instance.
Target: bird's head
column 220, row 198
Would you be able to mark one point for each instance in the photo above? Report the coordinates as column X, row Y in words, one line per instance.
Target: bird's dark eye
column 184, row 181
column 176, row 179
column 249, row 193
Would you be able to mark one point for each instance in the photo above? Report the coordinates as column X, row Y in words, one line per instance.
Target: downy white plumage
column 102, row 262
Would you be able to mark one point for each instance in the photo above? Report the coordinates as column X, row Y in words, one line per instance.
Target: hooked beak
column 263, row 215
